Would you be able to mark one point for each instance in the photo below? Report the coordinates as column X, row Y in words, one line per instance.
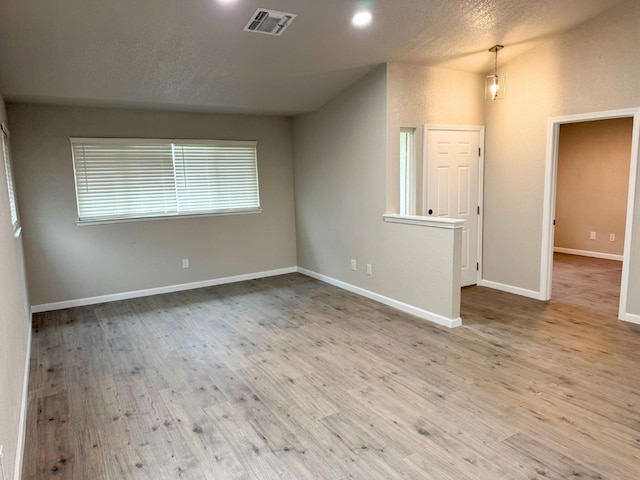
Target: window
column 407, row 172
column 120, row 179
column 6, row 155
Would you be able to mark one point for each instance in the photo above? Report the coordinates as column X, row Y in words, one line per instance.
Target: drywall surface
column 584, row 70
column 593, row 184
column 340, row 176
column 15, row 322
column 68, row 262
column 420, row 95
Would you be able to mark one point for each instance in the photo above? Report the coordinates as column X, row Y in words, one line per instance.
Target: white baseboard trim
column 631, row 318
column 511, row 289
column 23, row 411
column 159, row 290
column 586, row 253
column 404, row 307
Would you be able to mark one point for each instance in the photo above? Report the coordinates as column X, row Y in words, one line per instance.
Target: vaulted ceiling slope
column 194, row 54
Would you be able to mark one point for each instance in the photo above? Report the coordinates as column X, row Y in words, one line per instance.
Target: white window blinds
column 218, row 177
column 6, row 155
column 123, row 178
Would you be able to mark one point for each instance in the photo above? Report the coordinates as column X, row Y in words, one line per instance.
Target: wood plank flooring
column 586, row 282
column 290, row 378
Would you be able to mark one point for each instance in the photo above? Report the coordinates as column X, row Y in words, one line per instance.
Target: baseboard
column 23, row 411
column 404, row 307
column 159, row 290
column 418, row 312
column 511, row 289
column 631, row 318
column 586, row 253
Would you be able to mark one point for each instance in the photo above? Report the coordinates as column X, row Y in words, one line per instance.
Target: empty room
column 276, row 239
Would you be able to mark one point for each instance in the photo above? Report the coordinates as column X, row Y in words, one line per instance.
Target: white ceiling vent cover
column 270, row 22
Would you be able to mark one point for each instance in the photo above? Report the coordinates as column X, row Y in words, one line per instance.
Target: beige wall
column 341, row 176
column 593, row 181
column 584, row 70
column 67, row 262
column 15, row 322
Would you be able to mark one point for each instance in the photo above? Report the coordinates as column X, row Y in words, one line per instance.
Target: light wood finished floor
column 290, row 378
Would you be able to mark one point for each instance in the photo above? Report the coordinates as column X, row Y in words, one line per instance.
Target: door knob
column 430, row 212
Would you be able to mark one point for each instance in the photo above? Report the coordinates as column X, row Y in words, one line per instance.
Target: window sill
column 87, row 223
column 433, row 222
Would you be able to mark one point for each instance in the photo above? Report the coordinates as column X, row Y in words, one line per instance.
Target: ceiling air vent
column 270, row 22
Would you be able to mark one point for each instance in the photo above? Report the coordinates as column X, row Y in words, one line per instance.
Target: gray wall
column 340, row 176
column 15, row 322
column 67, row 262
column 594, row 67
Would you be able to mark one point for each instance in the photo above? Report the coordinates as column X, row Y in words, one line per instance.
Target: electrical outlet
column 612, row 237
column 354, row 266
column 592, row 235
column 369, row 269
column 185, row 263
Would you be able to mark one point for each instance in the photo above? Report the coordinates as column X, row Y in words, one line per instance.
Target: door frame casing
column 549, row 206
column 459, row 128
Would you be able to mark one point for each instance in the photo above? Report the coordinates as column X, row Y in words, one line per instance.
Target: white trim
column 411, row 174
column 631, row 202
column 586, row 253
column 418, row 312
column 159, row 290
column 550, row 183
column 548, row 209
column 460, row 128
column 89, row 223
column 631, row 318
column 23, row 411
column 3, row 475
column 164, row 141
column 480, row 206
column 435, row 222
column 511, row 289
column 405, row 307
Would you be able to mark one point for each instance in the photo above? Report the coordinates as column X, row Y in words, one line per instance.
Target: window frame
column 10, row 179
column 407, row 165
column 171, row 144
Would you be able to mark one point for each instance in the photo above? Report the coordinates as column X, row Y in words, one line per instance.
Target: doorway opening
column 572, row 211
column 592, row 181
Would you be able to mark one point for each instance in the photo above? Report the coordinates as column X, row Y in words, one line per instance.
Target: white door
column 452, row 186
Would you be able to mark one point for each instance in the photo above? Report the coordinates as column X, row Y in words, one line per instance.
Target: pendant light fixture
column 495, row 86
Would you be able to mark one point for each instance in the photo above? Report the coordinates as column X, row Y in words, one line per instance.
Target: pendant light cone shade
column 495, row 85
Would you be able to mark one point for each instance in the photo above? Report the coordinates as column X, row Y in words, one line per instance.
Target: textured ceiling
column 194, row 55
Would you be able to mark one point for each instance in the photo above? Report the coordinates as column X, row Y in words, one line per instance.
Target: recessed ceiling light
column 362, row 18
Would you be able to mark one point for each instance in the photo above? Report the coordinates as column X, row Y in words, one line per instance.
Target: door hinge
column 554, row 222
column 478, row 209
column 479, row 150
column 477, row 266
